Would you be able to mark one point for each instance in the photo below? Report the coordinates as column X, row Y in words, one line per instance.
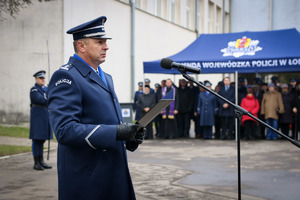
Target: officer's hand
column 127, row 131
column 139, row 136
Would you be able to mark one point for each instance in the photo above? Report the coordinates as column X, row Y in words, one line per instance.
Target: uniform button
column 114, row 100
column 124, row 145
column 104, row 150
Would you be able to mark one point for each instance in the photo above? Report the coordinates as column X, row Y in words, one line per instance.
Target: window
column 138, row 3
column 218, row 20
column 172, row 10
column 158, row 7
column 187, row 14
column 211, row 18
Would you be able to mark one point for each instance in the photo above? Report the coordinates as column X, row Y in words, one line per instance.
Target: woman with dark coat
column 251, row 104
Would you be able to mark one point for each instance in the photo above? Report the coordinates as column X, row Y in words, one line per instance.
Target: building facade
column 152, row 29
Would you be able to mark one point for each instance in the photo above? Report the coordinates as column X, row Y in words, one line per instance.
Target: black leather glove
column 139, row 136
column 131, row 133
column 126, row 131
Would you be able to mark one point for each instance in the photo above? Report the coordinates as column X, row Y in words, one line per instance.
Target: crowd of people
column 274, row 103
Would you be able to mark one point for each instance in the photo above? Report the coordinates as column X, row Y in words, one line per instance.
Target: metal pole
column 236, row 102
column 48, row 153
column 196, row 18
column 223, row 21
column 270, row 14
column 132, row 48
column 238, row 120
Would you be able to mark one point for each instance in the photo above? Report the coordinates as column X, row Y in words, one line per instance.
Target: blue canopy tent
column 244, row 52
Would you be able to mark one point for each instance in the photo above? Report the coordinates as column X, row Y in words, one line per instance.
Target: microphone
column 167, row 63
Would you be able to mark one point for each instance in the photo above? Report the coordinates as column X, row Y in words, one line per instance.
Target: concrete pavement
column 178, row 169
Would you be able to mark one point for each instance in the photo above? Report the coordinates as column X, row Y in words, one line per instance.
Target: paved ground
column 177, row 169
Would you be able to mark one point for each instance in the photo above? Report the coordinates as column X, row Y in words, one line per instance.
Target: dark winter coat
column 84, row 114
column 287, row 116
column 135, row 106
column 39, row 115
column 296, row 104
column 229, row 95
column 184, row 100
column 207, row 108
column 144, row 101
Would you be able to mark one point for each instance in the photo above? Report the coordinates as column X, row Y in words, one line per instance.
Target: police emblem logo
column 241, row 47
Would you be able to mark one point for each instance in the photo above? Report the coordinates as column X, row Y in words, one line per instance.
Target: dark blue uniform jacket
column 39, row 115
column 207, row 108
column 230, row 95
column 84, row 114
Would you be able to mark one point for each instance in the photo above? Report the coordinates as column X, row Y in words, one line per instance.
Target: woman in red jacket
column 251, row 104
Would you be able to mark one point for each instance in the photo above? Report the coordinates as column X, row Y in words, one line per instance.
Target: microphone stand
column 239, row 112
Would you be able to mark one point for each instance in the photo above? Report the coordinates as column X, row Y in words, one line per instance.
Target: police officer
column 136, row 95
column 39, row 120
column 147, row 82
column 86, row 118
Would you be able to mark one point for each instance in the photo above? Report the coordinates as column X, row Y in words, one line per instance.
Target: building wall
column 24, row 52
column 157, row 35
column 262, row 15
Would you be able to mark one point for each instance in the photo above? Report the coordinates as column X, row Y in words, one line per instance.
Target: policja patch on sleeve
column 67, row 81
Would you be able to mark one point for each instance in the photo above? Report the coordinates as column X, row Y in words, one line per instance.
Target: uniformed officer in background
column 147, row 82
column 39, row 120
column 86, row 118
column 136, row 95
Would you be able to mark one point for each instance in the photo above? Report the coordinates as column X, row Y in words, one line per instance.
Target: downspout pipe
column 132, row 48
column 196, row 18
column 197, row 23
column 271, row 15
column 223, row 18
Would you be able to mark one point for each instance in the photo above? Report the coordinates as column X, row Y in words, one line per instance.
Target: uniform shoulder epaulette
column 66, row 67
column 33, row 89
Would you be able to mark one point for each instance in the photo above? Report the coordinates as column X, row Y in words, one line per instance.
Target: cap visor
column 101, row 37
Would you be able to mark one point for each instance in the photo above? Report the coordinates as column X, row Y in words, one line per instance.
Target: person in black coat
column 226, row 111
column 157, row 119
column 135, row 107
column 259, row 96
column 184, row 105
column 145, row 102
column 196, row 91
column 39, row 120
column 296, row 110
column 287, row 117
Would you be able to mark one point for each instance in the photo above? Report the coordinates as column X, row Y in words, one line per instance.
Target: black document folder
column 156, row 109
